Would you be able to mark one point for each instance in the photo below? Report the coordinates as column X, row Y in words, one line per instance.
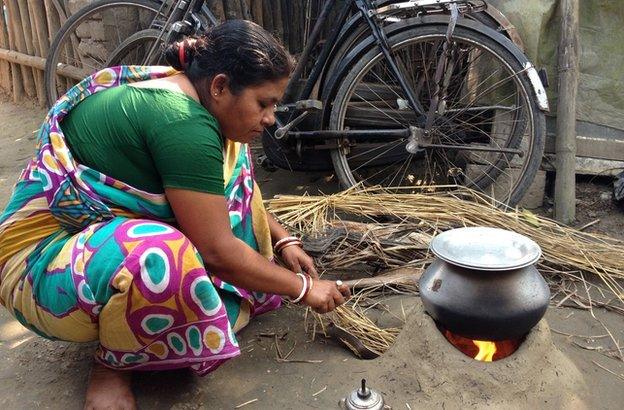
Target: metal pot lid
column 485, row 248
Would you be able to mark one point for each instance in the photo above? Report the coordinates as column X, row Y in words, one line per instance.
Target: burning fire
column 483, row 350
column 486, row 350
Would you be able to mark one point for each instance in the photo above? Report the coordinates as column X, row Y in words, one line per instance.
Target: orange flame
column 486, row 350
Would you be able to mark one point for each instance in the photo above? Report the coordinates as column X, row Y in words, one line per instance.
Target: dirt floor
column 37, row 373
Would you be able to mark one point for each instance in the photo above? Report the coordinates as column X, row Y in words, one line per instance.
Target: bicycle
column 106, row 33
column 402, row 94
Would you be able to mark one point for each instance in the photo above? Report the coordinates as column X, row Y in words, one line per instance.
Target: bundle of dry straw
column 565, row 250
column 410, row 219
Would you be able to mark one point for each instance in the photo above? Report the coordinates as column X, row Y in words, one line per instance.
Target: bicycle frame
column 183, row 17
column 369, row 13
column 181, row 12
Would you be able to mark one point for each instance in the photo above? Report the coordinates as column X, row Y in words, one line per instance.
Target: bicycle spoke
column 482, row 111
column 492, row 87
column 394, row 145
column 390, row 88
column 407, row 164
column 379, row 146
column 379, row 110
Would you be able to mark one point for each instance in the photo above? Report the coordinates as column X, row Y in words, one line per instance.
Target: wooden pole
column 36, row 42
column 41, row 26
column 17, row 24
column 41, row 29
column 565, row 184
column 54, row 17
column 278, row 23
column 256, row 11
column 216, row 6
column 296, row 12
column 232, row 9
column 245, row 9
column 286, row 21
column 39, row 63
column 267, row 17
column 5, row 67
column 32, row 83
column 17, row 71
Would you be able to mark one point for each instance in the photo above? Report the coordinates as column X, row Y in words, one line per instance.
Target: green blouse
column 149, row 138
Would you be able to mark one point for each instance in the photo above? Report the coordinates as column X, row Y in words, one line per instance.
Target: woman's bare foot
column 109, row 389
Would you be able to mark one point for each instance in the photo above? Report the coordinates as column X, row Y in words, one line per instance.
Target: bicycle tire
column 356, row 30
column 120, row 54
column 356, row 35
column 64, row 36
column 532, row 118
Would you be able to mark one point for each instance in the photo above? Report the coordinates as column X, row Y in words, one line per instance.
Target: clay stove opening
column 482, row 350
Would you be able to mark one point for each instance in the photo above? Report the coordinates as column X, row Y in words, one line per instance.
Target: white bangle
column 281, row 248
column 286, row 239
column 303, row 290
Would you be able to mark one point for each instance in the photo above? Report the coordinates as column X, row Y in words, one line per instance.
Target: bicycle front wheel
column 487, row 132
column 97, row 34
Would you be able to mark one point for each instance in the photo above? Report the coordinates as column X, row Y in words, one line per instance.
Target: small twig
column 582, row 228
column 617, row 345
column 277, row 349
column 619, row 376
column 280, row 358
column 579, row 336
column 298, row 361
column 246, row 403
column 320, row 391
column 562, row 301
column 594, row 348
column 290, row 351
column 591, row 310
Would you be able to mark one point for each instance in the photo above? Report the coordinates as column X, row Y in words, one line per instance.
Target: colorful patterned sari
column 86, row 257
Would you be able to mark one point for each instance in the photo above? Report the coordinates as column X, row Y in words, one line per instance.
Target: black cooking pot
column 494, row 304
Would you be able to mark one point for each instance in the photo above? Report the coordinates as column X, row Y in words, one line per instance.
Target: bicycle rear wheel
column 92, row 35
column 137, row 49
column 488, row 107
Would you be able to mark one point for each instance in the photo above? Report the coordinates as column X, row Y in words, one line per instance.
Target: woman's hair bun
column 173, row 56
column 242, row 50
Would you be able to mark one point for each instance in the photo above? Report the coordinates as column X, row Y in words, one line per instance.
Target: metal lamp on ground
column 363, row 398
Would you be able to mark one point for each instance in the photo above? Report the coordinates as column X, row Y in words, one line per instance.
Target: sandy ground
column 36, row 373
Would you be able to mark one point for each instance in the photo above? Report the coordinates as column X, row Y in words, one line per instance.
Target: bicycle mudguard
column 367, row 44
column 490, row 17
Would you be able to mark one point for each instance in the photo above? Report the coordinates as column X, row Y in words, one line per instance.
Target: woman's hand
column 298, row 261
column 326, row 296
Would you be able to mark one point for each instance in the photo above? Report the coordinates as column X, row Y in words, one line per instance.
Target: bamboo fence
column 28, row 27
column 26, row 31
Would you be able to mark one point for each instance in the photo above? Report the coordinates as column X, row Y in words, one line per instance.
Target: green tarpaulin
column 601, row 85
